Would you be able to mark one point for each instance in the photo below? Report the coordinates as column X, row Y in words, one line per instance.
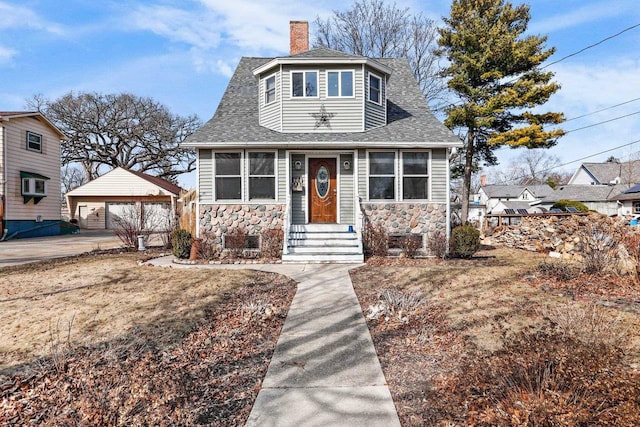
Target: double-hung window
column 34, row 142
column 262, row 175
column 228, row 176
column 415, row 175
column 636, row 207
column 382, row 179
column 304, row 84
column 270, row 89
column 340, row 83
column 375, row 89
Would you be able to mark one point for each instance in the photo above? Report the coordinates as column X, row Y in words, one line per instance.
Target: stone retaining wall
column 218, row 220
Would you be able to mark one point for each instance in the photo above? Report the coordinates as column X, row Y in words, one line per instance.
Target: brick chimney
column 299, row 36
column 483, row 180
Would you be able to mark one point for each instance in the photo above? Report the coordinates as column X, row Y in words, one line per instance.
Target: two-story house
column 29, row 175
column 318, row 142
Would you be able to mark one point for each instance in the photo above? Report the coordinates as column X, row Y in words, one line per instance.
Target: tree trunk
column 466, row 181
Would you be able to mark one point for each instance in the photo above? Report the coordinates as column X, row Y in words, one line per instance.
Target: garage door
column 119, row 211
column 157, row 216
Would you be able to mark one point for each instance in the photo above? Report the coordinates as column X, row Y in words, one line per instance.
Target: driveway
column 22, row 251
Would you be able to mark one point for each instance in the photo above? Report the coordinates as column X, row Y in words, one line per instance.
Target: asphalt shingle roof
column 409, row 118
column 629, row 172
column 497, row 191
column 586, row 193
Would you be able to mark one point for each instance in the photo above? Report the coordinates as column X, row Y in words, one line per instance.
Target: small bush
column 271, row 242
column 395, row 304
column 208, row 250
column 181, row 243
column 465, row 240
column 375, row 240
column 564, row 203
column 438, row 245
column 237, row 241
column 411, row 244
column 557, row 269
column 599, row 247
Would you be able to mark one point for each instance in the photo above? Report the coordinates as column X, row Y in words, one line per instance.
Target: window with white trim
column 228, row 176
column 34, row 187
column 636, row 207
column 415, row 175
column 270, row 89
column 339, row 83
column 304, row 84
column 262, row 175
column 382, row 178
column 375, row 89
column 34, row 142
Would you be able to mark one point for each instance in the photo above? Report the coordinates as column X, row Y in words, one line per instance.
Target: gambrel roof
column 410, row 122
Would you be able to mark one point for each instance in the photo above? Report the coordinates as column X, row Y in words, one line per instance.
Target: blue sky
column 182, row 53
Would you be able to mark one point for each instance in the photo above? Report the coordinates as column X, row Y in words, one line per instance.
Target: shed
column 98, row 203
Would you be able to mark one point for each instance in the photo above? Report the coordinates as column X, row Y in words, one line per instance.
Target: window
column 228, row 177
column 304, row 83
column 270, row 89
column 340, row 83
column 375, row 86
column 415, row 175
column 34, row 142
column 262, row 175
column 636, row 207
column 382, row 175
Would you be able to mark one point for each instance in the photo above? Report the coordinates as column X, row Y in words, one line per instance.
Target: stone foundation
column 218, row 220
column 427, row 219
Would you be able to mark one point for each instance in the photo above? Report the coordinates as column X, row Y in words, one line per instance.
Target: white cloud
column 6, row 54
column 594, row 12
column 12, row 16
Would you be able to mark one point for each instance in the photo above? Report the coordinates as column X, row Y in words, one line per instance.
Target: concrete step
column 324, row 249
column 322, row 258
column 322, row 228
column 323, row 242
column 322, row 235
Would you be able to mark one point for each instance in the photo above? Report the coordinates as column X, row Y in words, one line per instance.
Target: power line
column 601, row 110
column 601, row 123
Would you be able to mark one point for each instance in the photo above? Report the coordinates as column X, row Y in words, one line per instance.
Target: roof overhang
column 322, row 61
column 323, row 144
column 9, row 116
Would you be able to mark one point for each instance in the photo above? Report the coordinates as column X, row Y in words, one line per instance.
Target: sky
column 183, row 52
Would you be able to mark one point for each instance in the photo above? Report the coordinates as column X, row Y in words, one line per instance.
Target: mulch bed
column 211, row 376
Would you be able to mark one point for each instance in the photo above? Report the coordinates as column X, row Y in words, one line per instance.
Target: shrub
column 599, row 247
column 410, row 244
column 181, row 242
column 564, row 203
column 395, row 304
column 438, row 245
column 465, row 240
column 208, row 250
column 375, row 239
column 557, row 269
column 271, row 241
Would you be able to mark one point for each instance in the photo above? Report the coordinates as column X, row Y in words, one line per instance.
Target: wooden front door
column 323, row 191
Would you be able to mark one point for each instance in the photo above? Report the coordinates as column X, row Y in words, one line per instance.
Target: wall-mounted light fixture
column 297, row 165
column 346, row 165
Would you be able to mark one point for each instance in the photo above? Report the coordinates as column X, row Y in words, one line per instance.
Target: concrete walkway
column 325, row 370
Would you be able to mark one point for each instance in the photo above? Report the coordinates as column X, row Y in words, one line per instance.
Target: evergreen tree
column 495, row 70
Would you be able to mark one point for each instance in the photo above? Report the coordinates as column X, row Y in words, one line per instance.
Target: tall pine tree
column 495, row 70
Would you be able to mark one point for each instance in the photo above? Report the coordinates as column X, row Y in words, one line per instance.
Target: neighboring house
column 29, row 175
column 121, row 193
column 595, row 197
column 497, row 198
column 608, row 173
column 628, row 201
column 318, row 142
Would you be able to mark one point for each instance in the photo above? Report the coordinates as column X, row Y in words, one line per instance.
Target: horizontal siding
column 96, row 215
column 347, row 195
column 282, row 176
column 362, row 174
column 96, row 206
column 119, row 182
column 205, row 176
column 298, row 209
column 270, row 114
column 297, row 112
column 439, row 175
column 46, row 163
column 374, row 114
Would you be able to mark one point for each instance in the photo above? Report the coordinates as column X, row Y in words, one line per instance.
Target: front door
column 323, row 191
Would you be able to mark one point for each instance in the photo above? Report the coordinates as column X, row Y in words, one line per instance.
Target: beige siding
column 205, row 176
column 298, row 209
column 96, row 207
column 439, row 175
column 297, row 113
column 46, row 163
column 374, row 114
column 347, row 195
column 270, row 114
column 119, row 182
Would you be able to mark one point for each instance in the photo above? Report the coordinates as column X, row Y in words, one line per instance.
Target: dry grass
column 90, row 300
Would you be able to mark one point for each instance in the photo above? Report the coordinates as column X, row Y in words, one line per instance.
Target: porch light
column 346, row 165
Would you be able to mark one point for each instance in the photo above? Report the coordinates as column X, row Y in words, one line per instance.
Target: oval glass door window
column 322, row 182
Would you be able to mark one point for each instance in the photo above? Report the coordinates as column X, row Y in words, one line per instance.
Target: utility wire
column 601, row 123
column 600, row 111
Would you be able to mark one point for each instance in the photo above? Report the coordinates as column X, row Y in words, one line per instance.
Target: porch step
column 323, row 243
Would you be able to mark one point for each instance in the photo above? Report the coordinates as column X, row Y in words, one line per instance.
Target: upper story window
column 340, row 83
column 270, row 89
column 304, row 84
column 34, row 142
column 228, row 176
column 382, row 177
column 375, row 89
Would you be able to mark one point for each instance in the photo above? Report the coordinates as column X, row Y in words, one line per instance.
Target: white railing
column 286, row 225
column 359, row 222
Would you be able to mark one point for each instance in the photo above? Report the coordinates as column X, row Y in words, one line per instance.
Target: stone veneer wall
column 217, row 220
column 428, row 219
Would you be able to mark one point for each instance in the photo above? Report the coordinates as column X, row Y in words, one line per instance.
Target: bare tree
column 372, row 28
column 71, row 177
column 534, row 166
column 107, row 131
